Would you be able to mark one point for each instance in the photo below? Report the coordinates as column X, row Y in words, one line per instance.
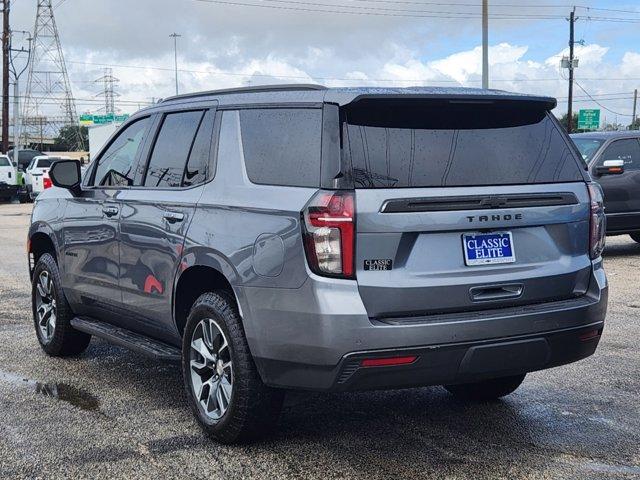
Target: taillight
column 598, row 221
column 329, row 233
column 46, row 182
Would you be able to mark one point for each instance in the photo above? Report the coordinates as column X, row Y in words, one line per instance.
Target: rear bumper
column 316, row 337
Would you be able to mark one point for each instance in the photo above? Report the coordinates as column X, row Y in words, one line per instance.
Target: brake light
column 598, row 221
column 329, row 233
column 46, row 182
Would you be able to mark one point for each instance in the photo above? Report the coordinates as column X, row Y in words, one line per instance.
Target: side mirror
column 66, row 174
column 610, row 167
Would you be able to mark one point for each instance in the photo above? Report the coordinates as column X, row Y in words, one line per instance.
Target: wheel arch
column 197, row 276
column 41, row 240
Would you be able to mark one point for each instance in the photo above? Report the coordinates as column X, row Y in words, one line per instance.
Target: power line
column 599, row 104
column 291, row 5
column 322, row 77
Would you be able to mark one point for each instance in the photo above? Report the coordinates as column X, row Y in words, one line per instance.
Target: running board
column 125, row 338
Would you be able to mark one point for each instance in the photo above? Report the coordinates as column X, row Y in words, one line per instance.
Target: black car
column 25, row 157
column 614, row 162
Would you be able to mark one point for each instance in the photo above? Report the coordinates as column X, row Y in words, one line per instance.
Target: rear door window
column 282, row 146
column 198, row 163
column 457, row 146
column 172, row 148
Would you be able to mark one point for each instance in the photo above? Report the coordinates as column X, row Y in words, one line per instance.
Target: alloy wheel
column 46, row 309
column 211, row 369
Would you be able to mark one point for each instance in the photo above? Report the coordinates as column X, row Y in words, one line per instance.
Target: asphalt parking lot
column 115, row 414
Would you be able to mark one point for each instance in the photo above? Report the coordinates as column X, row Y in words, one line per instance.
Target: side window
column 627, row 150
column 115, row 166
column 196, row 171
column 172, row 148
column 282, row 146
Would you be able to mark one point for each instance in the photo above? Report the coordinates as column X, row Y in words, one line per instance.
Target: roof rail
column 252, row 89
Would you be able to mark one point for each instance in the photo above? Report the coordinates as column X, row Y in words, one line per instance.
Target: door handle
column 496, row 292
column 110, row 211
column 173, row 217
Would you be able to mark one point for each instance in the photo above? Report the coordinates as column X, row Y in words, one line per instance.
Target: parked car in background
column 25, row 156
column 330, row 239
column 8, row 179
column 614, row 162
column 36, row 175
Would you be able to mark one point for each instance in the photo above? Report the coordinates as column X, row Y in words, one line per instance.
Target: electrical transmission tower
column 49, row 104
column 108, row 93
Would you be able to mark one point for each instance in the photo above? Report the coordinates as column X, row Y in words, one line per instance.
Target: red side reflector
column 590, row 335
column 387, row 362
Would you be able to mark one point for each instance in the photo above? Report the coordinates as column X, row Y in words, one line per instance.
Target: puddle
column 60, row 391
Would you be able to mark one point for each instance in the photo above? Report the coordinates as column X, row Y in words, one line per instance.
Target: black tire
column 253, row 408
column 64, row 340
column 486, row 390
column 635, row 236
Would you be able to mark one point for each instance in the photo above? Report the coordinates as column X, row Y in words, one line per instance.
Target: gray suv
column 330, row 239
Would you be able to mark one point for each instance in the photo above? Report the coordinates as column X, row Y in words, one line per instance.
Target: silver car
column 331, row 239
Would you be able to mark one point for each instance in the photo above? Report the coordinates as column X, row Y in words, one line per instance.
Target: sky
column 233, row 43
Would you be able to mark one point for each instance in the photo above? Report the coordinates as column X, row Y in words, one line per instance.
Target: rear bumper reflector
column 388, row 362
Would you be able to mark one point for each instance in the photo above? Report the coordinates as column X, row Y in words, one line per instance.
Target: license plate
column 488, row 248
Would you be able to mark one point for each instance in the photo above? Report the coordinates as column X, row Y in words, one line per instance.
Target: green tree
column 564, row 121
column 67, row 139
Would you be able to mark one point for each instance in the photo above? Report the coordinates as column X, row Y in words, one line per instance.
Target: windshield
column 588, row 146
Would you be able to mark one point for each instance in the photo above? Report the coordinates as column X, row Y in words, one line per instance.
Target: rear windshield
column 588, row 147
column 456, row 145
column 44, row 163
column 4, row 162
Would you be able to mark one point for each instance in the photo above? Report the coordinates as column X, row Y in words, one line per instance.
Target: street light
column 175, row 55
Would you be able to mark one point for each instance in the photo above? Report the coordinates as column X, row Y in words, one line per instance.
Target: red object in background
column 46, row 182
column 151, row 283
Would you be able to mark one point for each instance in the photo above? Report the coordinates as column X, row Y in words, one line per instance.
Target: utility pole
column 175, row 55
column 5, row 75
column 572, row 21
column 16, row 93
column 485, row 44
column 635, row 104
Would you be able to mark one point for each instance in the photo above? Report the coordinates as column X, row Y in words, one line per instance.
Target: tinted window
column 627, row 150
column 115, row 166
column 4, row 162
column 282, row 146
column 196, row 171
column 461, row 146
column 44, row 163
column 172, row 148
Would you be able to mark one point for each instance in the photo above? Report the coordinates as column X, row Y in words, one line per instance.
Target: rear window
column 456, row 145
column 4, row 162
column 282, row 145
column 44, row 163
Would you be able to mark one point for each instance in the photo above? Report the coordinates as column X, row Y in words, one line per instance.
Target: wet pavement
column 113, row 413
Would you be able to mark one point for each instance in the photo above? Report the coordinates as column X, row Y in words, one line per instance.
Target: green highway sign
column 89, row 119
column 589, row 119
